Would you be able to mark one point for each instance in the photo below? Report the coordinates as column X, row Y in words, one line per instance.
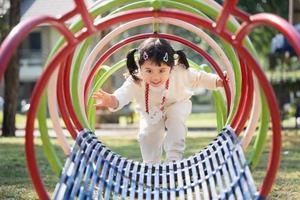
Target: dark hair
column 158, row 51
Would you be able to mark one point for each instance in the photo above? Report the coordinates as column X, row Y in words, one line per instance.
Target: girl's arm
column 121, row 97
column 202, row 79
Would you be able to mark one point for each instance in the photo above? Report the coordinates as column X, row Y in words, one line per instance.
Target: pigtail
column 182, row 59
column 131, row 64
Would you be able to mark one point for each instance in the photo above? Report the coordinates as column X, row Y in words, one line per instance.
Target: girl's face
column 155, row 75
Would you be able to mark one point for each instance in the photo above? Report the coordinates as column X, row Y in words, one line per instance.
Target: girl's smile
column 155, row 83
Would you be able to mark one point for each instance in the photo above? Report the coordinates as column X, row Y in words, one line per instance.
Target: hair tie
column 175, row 56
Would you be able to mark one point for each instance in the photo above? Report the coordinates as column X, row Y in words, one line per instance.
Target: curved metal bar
column 78, row 67
column 19, row 32
column 260, row 140
column 176, row 22
column 256, row 112
column 202, row 22
column 67, row 94
column 293, row 37
column 248, row 103
column 274, row 157
column 86, row 18
column 62, row 103
column 246, row 100
column 277, row 22
column 53, row 113
column 242, row 100
column 227, row 9
column 165, row 36
column 29, row 143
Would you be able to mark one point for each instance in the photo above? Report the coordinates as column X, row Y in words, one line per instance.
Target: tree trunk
column 11, row 79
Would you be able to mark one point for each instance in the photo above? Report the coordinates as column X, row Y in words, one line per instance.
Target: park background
column 281, row 66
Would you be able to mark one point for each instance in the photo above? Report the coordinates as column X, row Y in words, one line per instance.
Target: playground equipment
column 220, row 171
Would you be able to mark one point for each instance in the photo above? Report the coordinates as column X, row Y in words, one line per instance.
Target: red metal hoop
column 20, row 31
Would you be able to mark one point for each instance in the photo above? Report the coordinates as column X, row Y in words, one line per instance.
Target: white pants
column 152, row 137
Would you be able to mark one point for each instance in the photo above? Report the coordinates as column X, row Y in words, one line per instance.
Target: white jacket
column 181, row 84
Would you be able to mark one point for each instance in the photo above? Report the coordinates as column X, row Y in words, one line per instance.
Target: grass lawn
column 16, row 184
column 194, row 120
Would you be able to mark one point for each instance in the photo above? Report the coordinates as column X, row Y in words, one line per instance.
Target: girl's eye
column 162, row 71
column 148, row 71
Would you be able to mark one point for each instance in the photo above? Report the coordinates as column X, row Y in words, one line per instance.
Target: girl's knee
column 144, row 137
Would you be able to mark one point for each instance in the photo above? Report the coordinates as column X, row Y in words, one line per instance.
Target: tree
column 11, row 76
column 261, row 37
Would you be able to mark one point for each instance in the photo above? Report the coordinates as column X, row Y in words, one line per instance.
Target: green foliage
column 261, row 37
column 277, row 7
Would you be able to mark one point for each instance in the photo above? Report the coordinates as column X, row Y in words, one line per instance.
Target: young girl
column 161, row 82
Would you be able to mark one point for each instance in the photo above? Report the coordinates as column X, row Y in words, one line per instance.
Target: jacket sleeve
column 125, row 93
column 201, row 79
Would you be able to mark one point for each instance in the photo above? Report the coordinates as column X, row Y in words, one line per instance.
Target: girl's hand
column 220, row 82
column 105, row 100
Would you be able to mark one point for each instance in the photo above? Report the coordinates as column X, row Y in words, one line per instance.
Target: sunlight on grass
column 15, row 182
column 202, row 120
column 207, row 120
